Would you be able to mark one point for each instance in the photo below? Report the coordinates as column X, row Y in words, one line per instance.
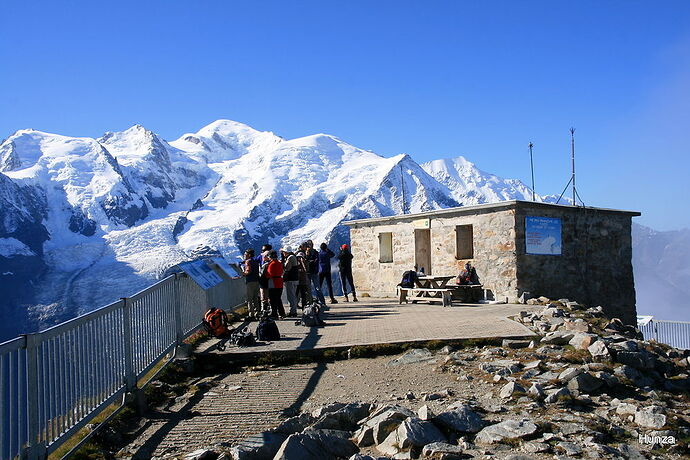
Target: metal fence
column 674, row 333
column 54, row 382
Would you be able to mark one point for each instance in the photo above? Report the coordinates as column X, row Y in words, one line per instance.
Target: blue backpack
column 408, row 279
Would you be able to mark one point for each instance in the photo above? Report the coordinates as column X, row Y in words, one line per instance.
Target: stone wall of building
column 595, row 267
column 494, row 251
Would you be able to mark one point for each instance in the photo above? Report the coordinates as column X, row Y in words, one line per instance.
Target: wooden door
column 422, row 249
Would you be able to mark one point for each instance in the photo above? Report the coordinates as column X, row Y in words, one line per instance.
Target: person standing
column 290, row 278
column 303, row 287
column 250, row 269
column 345, row 266
column 313, row 267
column 263, row 261
column 325, row 256
column 274, row 275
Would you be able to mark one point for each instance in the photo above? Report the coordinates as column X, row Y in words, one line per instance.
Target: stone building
column 558, row 251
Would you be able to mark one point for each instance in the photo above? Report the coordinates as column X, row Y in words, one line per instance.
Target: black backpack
column 267, row 330
column 310, row 316
column 242, row 338
column 408, row 279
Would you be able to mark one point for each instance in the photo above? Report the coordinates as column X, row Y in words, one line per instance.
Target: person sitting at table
column 467, row 276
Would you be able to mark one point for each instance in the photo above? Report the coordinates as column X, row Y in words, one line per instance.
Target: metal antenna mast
column 531, row 164
column 402, row 187
column 572, row 157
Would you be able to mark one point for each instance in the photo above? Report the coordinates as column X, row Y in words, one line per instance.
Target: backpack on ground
column 311, row 316
column 216, row 322
column 242, row 337
column 267, row 330
column 408, row 279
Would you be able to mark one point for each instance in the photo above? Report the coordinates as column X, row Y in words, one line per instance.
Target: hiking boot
column 333, row 300
column 354, row 298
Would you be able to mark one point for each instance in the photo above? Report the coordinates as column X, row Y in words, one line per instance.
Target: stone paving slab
column 376, row 321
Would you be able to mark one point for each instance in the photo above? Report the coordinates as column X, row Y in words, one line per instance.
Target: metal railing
column 54, row 382
column 673, row 333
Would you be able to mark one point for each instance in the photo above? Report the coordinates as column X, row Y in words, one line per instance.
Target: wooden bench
column 464, row 293
column 444, row 295
column 467, row 293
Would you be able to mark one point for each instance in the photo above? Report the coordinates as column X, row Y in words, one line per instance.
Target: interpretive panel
column 201, row 273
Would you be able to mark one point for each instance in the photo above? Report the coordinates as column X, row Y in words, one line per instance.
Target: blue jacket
column 325, row 260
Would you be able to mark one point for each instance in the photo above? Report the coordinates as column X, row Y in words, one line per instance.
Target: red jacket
column 274, row 272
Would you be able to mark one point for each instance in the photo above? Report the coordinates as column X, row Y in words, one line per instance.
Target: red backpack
column 216, row 322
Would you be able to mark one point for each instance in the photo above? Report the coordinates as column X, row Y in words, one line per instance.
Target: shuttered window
column 464, row 242
column 385, row 247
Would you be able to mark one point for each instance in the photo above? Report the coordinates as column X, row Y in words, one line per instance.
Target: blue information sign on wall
column 543, row 235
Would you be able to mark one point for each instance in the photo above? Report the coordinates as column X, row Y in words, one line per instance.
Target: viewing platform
column 381, row 321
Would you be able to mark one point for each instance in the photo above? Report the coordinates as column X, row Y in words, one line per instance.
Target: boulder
column 626, row 409
column 345, row 418
column 509, row 343
column 295, row 424
column 507, row 429
column 316, row 444
column 438, row 449
column 554, row 396
column 416, row 355
column 501, row 367
column 536, row 390
column 201, row 454
column 570, row 448
column 570, row 373
column 317, row 413
column 461, row 418
column 650, row 417
column 558, row 337
column 384, row 422
column 579, row 325
column 636, row 359
column 411, row 432
column 258, row 447
column 425, row 413
column 598, row 350
column 364, row 436
column 511, row 389
column 582, row 341
column 585, row 383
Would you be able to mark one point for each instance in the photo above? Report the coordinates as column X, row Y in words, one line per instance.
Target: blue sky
column 432, row 79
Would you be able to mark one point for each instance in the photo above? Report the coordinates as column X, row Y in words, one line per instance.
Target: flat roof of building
column 487, row 206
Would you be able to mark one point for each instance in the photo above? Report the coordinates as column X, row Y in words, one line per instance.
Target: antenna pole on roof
column 572, row 158
column 402, row 188
column 531, row 165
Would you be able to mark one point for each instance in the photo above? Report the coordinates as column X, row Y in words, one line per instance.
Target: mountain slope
column 469, row 185
column 662, row 272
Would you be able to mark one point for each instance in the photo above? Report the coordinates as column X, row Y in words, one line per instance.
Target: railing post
column 133, row 391
column 130, row 378
column 179, row 333
column 35, row 449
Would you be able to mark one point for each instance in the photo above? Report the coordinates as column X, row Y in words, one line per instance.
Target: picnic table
column 432, row 288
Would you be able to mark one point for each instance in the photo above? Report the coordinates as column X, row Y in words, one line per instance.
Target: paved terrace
column 375, row 321
column 236, row 405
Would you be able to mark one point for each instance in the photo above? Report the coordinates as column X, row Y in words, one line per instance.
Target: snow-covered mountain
column 85, row 221
column 469, row 185
column 662, row 272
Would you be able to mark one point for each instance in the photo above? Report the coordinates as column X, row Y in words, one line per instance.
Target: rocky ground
column 586, row 388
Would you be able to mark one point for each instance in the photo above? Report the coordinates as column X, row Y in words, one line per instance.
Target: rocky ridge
column 587, row 387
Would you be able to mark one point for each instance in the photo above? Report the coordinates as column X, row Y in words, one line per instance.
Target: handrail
column 673, row 333
column 54, row 382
